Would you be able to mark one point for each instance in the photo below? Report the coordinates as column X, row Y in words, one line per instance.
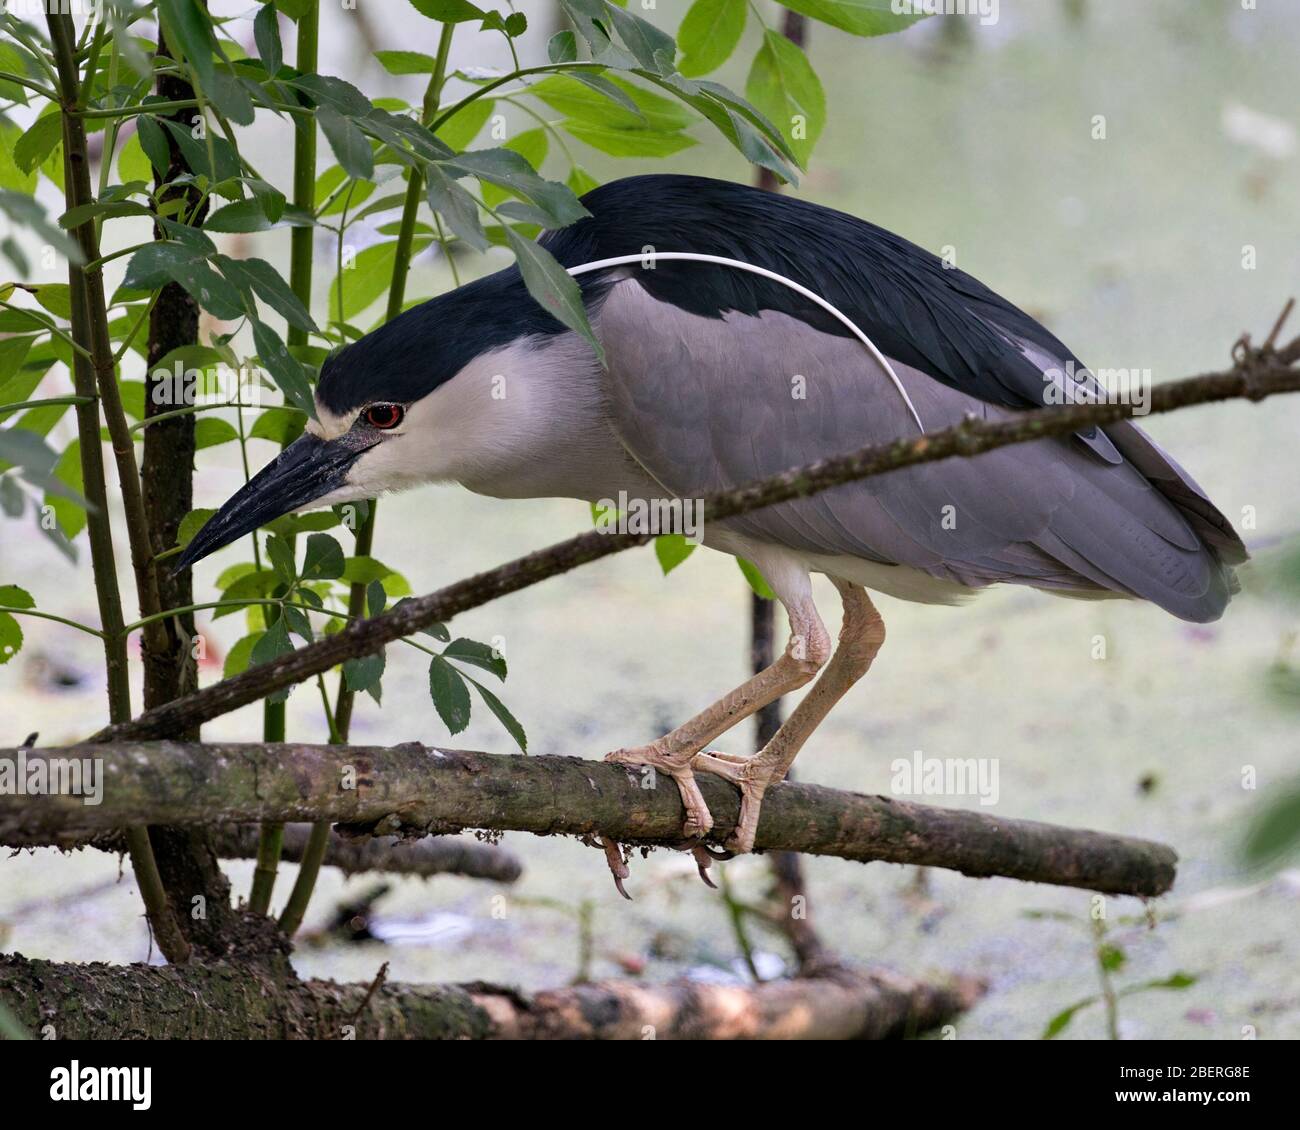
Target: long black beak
column 308, row 469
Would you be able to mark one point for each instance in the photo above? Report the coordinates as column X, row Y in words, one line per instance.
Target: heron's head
column 410, row 403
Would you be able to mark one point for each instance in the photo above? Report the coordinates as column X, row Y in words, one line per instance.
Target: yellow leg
column 861, row 637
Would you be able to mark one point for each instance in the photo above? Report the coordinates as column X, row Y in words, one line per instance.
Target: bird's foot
column 698, row 818
column 750, row 776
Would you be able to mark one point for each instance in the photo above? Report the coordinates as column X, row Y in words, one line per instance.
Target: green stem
column 50, row 325
column 31, row 84
column 300, row 269
column 269, row 844
column 90, row 324
column 57, row 619
column 48, row 402
column 488, row 87
column 312, row 857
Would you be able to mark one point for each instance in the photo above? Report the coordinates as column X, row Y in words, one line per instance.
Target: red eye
column 383, row 416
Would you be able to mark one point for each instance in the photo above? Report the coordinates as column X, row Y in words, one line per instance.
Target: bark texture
column 419, row 790
column 263, row 999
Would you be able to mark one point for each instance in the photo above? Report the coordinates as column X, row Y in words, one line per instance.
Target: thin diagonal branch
column 1258, row 373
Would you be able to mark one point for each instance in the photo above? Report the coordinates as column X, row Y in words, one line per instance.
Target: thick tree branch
column 1257, row 374
column 241, row 1000
column 414, row 789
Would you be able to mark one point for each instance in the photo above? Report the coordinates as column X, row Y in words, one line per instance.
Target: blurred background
column 1135, row 249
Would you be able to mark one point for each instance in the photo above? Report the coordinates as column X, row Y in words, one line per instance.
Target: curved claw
column 703, row 861
column 617, row 868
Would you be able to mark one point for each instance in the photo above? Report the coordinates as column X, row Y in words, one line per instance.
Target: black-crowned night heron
column 820, row 334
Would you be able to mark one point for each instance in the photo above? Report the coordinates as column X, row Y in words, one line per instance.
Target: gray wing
column 708, row 403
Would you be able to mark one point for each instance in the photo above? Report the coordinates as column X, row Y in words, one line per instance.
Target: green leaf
column 190, row 32
column 70, row 514
column 364, row 673
column 11, row 638
column 13, row 61
column 581, row 181
column 368, row 278
column 653, row 49
column 376, row 598
column 562, row 47
column 190, row 525
column 349, row 144
column 151, row 267
column 241, row 655
column 629, row 142
column 54, row 297
column 476, row 653
column 231, row 98
column 221, row 165
column 861, row 17
column 672, row 550
column 283, row 367
column 448, row 11
column 210, row 290
column 266, row 34
column 40, row 140
column 1061, row 1020
column 552, row 287
column 324, row 559
column 364, row 570
column 611, row 102
column 291, row 525
column 154, row 142
column 456, row 206
column 450, row 694
column 280, row 554
column 273, row 644
column 407, row 62
column 132, row 163
column 709, row 34
column 265, row 280
column 270, row 198
column 209, row 431
column 463, row 127
column 11, row 596
column 1275, row 831
column 508, row 720
column 509, row 169
column 785, row 88
column 756, row 580
column 280, row 425
column 255, row 585
column 1111, row 957
column 241, row 216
